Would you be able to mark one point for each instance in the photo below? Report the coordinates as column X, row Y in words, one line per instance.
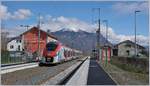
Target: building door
column 128, row 52
column 18, row 47
column 115, row 52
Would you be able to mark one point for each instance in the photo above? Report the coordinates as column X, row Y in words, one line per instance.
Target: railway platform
column 97, row 76
column 90, row 73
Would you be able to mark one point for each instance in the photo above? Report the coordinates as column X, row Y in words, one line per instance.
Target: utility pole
column 98, row 35
column 106, row 30
column 106, row 44
column 25, row 43
column 106, row 23
column 38, row 26
column 135, row 12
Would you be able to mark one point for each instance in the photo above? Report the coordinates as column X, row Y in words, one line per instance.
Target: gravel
column 34, row 76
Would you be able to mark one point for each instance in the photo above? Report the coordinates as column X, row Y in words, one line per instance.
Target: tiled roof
column 18, row 37
column 128, row 41
column 40, row 30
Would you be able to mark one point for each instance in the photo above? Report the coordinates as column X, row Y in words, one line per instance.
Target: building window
column 18, row 47
column 11, row 46
column 128, row 52
column 18, row 41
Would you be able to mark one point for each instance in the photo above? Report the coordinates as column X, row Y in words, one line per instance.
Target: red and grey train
column 55, row 52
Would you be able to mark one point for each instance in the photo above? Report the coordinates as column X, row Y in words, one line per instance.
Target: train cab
column 50, row 53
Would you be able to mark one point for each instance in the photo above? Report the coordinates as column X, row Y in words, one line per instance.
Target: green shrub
column 5, row 58
column 128, row 65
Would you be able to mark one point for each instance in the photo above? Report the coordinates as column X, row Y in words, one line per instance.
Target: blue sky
column 120, row 15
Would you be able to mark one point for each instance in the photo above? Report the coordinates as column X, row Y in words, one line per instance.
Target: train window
column 68, row 53
column 51, row 46
column 65, row 53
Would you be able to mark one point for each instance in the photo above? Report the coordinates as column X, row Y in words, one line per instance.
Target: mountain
column 69, row 29
column 81, row 40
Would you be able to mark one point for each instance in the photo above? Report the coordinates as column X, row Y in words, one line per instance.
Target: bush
column 5, row 58
column 137, row 65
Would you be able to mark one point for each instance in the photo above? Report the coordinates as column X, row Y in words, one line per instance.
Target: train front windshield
column 51, row 46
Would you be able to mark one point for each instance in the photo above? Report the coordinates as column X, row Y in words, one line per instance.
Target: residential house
column 127, row 49
column 31, row 41
column 15, row 44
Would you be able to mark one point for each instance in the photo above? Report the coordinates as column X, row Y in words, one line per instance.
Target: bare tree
column 4, row 38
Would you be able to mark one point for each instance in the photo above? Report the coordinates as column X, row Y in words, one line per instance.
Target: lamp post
column 24, row 41
column 106, row 46
column 106, row 23
column 39, row 26
column 135, row 12
column 98, row 32
column 39, row 35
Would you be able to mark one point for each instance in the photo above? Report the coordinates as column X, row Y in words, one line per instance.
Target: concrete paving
column 97, row 76
column 80, row 77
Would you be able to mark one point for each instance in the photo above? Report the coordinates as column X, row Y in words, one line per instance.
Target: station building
column 30, row 41
column 105, row 52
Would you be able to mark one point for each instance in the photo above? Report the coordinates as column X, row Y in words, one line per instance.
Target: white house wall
column 15, row 45
column 122, row 50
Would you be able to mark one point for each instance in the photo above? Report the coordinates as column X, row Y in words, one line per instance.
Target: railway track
column 36, row 75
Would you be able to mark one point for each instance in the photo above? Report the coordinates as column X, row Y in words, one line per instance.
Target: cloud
column 140, row 39
column 16, row 15
column 14, row 31
column 55, row 24
column 3, row 11
column 129, row 8
column 21, row 14
column 73, row 24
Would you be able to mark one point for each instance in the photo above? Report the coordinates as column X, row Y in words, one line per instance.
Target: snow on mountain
column 75, row 30
column 69, row 29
